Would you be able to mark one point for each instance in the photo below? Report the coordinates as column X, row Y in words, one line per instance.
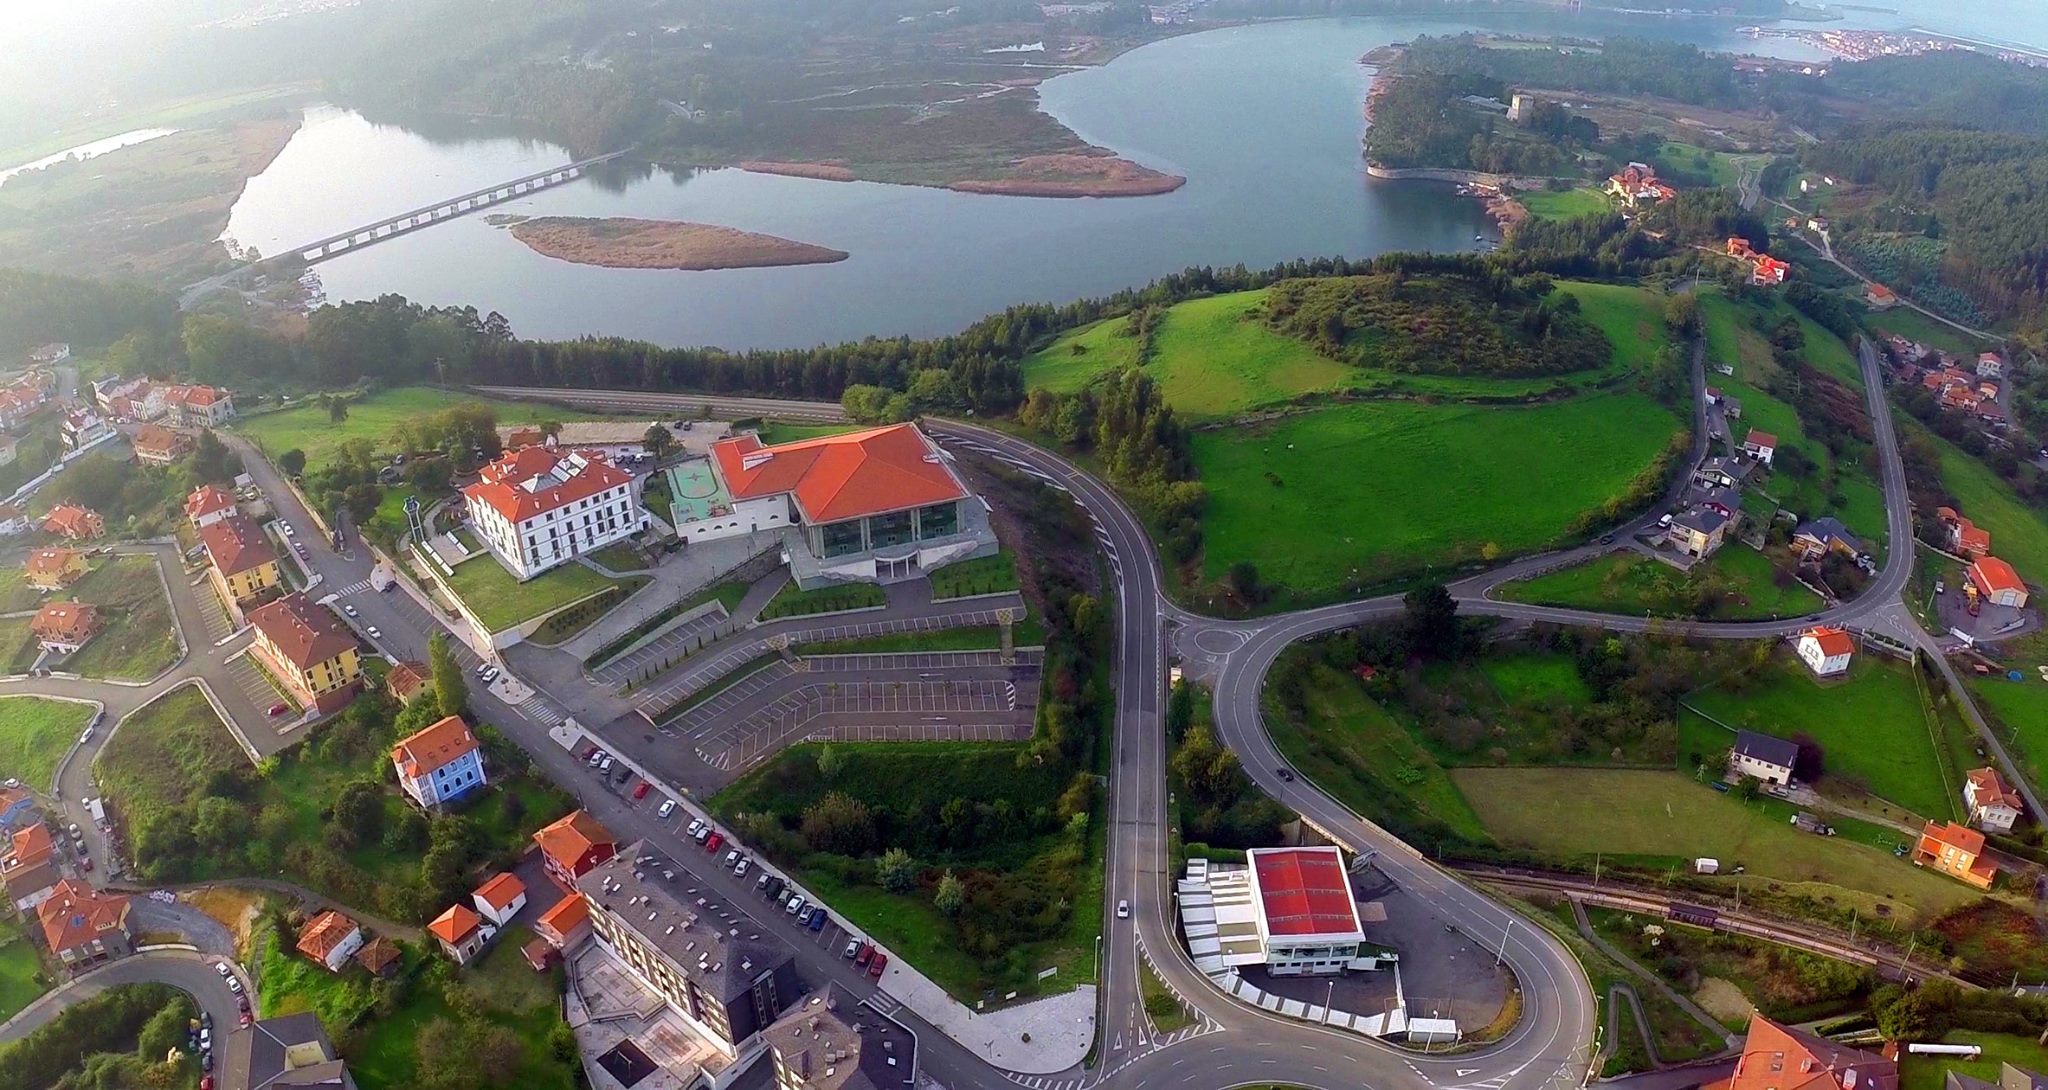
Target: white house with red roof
column 872, row 505
column 538, row 508
column 1306, row 915
column 1997, row 582
column 1992, row 803
column 440, row 763
column 1825, row 651
column 1760, row 445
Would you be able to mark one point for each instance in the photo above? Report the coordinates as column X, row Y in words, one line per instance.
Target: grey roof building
column 2010, row 1077
column 291, row 1051
column 832, row 1042
column 1766, row 749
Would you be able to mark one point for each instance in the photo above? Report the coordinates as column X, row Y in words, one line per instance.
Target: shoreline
column 676, row 245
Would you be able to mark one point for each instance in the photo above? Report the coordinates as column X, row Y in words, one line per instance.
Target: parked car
column 374, row 633
column 349, row 610
column 280, row 708
column 85, row 863
column 818, row 919
column 205, row 1038
column 732, row 857
column 235, row 985
column 775, row 887
column 86, row 737
column 640, row 791
column 221, row 967
column 703, row 832
column 797, row 905
column 876, row 966
column 491, row 674
column 741, row 870
column 596, row 758
column 481, row 667
column 852, row 949
column 761, row 883
column 667, row 808
column 624, row 773
column 604, row 763
column 714, row 842
column 696, row 826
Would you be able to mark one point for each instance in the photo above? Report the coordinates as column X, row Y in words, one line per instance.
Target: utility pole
column 1503, row 954
column 1596, row 870
column 1906, row 962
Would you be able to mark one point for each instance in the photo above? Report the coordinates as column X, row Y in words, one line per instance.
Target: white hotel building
column 537, row 508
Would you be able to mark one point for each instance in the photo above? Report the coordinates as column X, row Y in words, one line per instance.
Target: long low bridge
column 393, row 226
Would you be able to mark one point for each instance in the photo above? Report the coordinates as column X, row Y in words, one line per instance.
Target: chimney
column 1849, row 1079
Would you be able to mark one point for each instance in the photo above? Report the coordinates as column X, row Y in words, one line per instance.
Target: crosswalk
column 356, row 587
column 537, row 708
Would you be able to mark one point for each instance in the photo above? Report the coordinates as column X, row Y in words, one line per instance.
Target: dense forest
column 1494, row 325
column 1952, row 87
column 1422, row 121
column 1632, row 66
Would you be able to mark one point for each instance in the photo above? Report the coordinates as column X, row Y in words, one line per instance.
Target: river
column 1263, row 120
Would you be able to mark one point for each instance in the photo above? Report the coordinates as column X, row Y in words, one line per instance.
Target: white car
column 1123, row 910
column 86, row 737
column 235, row 984
column 491, row 675
column 221, row 967
column 348, row 610
column 667, row 808
column 374, row 633
column 796, row 905
column 696, row 826
column 741, row 870
column 732, row 857
column 481, row 667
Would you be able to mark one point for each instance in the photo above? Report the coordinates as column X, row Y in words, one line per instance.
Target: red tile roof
column 429, row 749
column 235, row 544
column 159, row 440
column 1762, row 439
column 569, row 913
column 455, row 925
column 49, row 561
column 32, row 846
column 569, row 839
column 501, row 891
column 406, row 679
column 205, row 500
column 1991, row 788
column 303, row 631
column 1960, row 837
column 1833, row 641
column 77, row 914
column 64, row 622
column 1993, row 575
column 521, row 484
column 74, row 521
column 1776, row 1057
column 1304, row 891
column 837, row 477
column 323, row 933
column 198, row 397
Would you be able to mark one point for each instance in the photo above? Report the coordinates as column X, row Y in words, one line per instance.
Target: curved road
column 189, row 972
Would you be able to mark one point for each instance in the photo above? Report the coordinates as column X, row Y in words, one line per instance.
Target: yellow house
column 241, row 561
column 53, row 569
column 309, row 650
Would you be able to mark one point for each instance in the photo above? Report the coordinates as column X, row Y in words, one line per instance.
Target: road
column 191, row 973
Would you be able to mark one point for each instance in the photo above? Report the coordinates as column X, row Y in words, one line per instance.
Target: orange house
column 1957, row 851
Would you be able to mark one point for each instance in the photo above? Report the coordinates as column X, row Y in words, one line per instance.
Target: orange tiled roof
column 1993, row 575
column 64, row 621
column 838, row 477
column 569, row 913
column 501, row 891
column 205, row 500
column 32, row 846
column 235, row 544
column 77, row 914
column 405, row 679
column 429, row 749
column 455, row 925
column 1776, row 1057
column 72, row 520
column 303, row 631
column 1990, row 788
column 49, row 561
column 323, row 933
column 567, row 840
column 1761, row 439
column 1833, row 641
column 1960, row 837
column 505, row 486
column 159, row 440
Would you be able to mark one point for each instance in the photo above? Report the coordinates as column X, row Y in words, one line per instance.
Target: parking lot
column 671, row 644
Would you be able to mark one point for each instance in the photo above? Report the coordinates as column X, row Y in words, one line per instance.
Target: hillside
column 1440, row 324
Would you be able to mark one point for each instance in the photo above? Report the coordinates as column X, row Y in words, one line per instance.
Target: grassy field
column 1536, row 677
column 1664, row 819
column 164, row 754
column 791, row 602
column 1360, row 493
column 307, row 428
column 34, row 733
column 1631, row 317
column 1073, row 359
column 19, row 968
column 1546, row 204
column 1915, row 326
column 137, row 641
column 15, row 593
column 1350, row 741
column 1632, row 583
column 1929, row 1072
column 511, row 996
column 984, row 575
column 156, row 113
column 18, row 645
column 2019, row 533
column 1870, row 727
column 780, row 431
column 502, row 601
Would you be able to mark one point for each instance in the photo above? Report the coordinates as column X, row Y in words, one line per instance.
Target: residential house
column 1720, row 472
column 29, row 870
column 241, row 563
column 1816, row 538
column 1638, row 184
column 566, row 924
column 49, row 355
column 573, row 845
column 68, row 520
column 380, row 957
column 1697, row 531
column 208, row 505
column 407, row 680
column 1825, row 651
column 537, row 508
column 13, row 519
column 1760, row 445
column 64, row 627
column 291, row 1051
column 1769, row 271
column 1992, row 804
column 53, row 569
column 1762, row 757
column 1713, row 395
column 81, row 428
column 17, row 808
column 84, row 927
column 10, row 450
column 105, row 392
column 833, row 1041
column 1965, row 538
column 1879, row 297
column 1778, row 1057
column 500, row 899
column 440, row 764
column 330, row 939
column 197, row 406
column 1990, row 365
column 462, row 933
column 156, row 445
column 19, row 402
column 2010, row 1077
column 1957, row 851
column 308, row 650
column 1997, row 582
column 726, row 986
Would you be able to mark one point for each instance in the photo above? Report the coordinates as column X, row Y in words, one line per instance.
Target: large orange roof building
column 1776, row 1057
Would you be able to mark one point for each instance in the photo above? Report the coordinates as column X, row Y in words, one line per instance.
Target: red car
column 714, row 842
column 876, row 966
column 640, row 792
column 279, row 709
column 867, row 951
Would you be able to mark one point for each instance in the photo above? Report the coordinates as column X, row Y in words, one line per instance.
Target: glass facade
column 887, row 530
column 840, row 538
column 938, row 520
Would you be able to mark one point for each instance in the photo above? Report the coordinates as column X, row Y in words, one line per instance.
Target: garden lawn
column 307, row 428
column 1930, row 1072
column 1214, row 358
column 1632, row 583
column 164, row 754
column 15, row 593
column 1632, row 318
column 1915, row 326
column 19, row 967
column 791, row 602
column 1658, row 818
column 2019, row 533
column 137, row 640
column 502, row 601
column 1353, row 749
column 983, row 575
column 1362, row 493
column 1870, row 727
column 34, row 733
column 18, row 646
column 1075, row 358
column 1526, row 678
column 1550, row 204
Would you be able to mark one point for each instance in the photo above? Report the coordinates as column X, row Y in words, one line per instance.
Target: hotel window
column 841, row 538
column 938, row 520
column 891, row 529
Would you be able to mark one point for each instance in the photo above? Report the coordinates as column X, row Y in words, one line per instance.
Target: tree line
column 1491, row 324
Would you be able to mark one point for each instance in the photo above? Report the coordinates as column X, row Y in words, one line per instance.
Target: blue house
column 440, row 764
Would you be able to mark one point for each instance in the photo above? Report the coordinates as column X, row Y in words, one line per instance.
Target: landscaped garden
column 376, row 417
column 21, row 970
column 502, row 601
column 983, row 575
column 34, row 733
column 1564, row 204
column 792, row 602
column 1735, row 584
